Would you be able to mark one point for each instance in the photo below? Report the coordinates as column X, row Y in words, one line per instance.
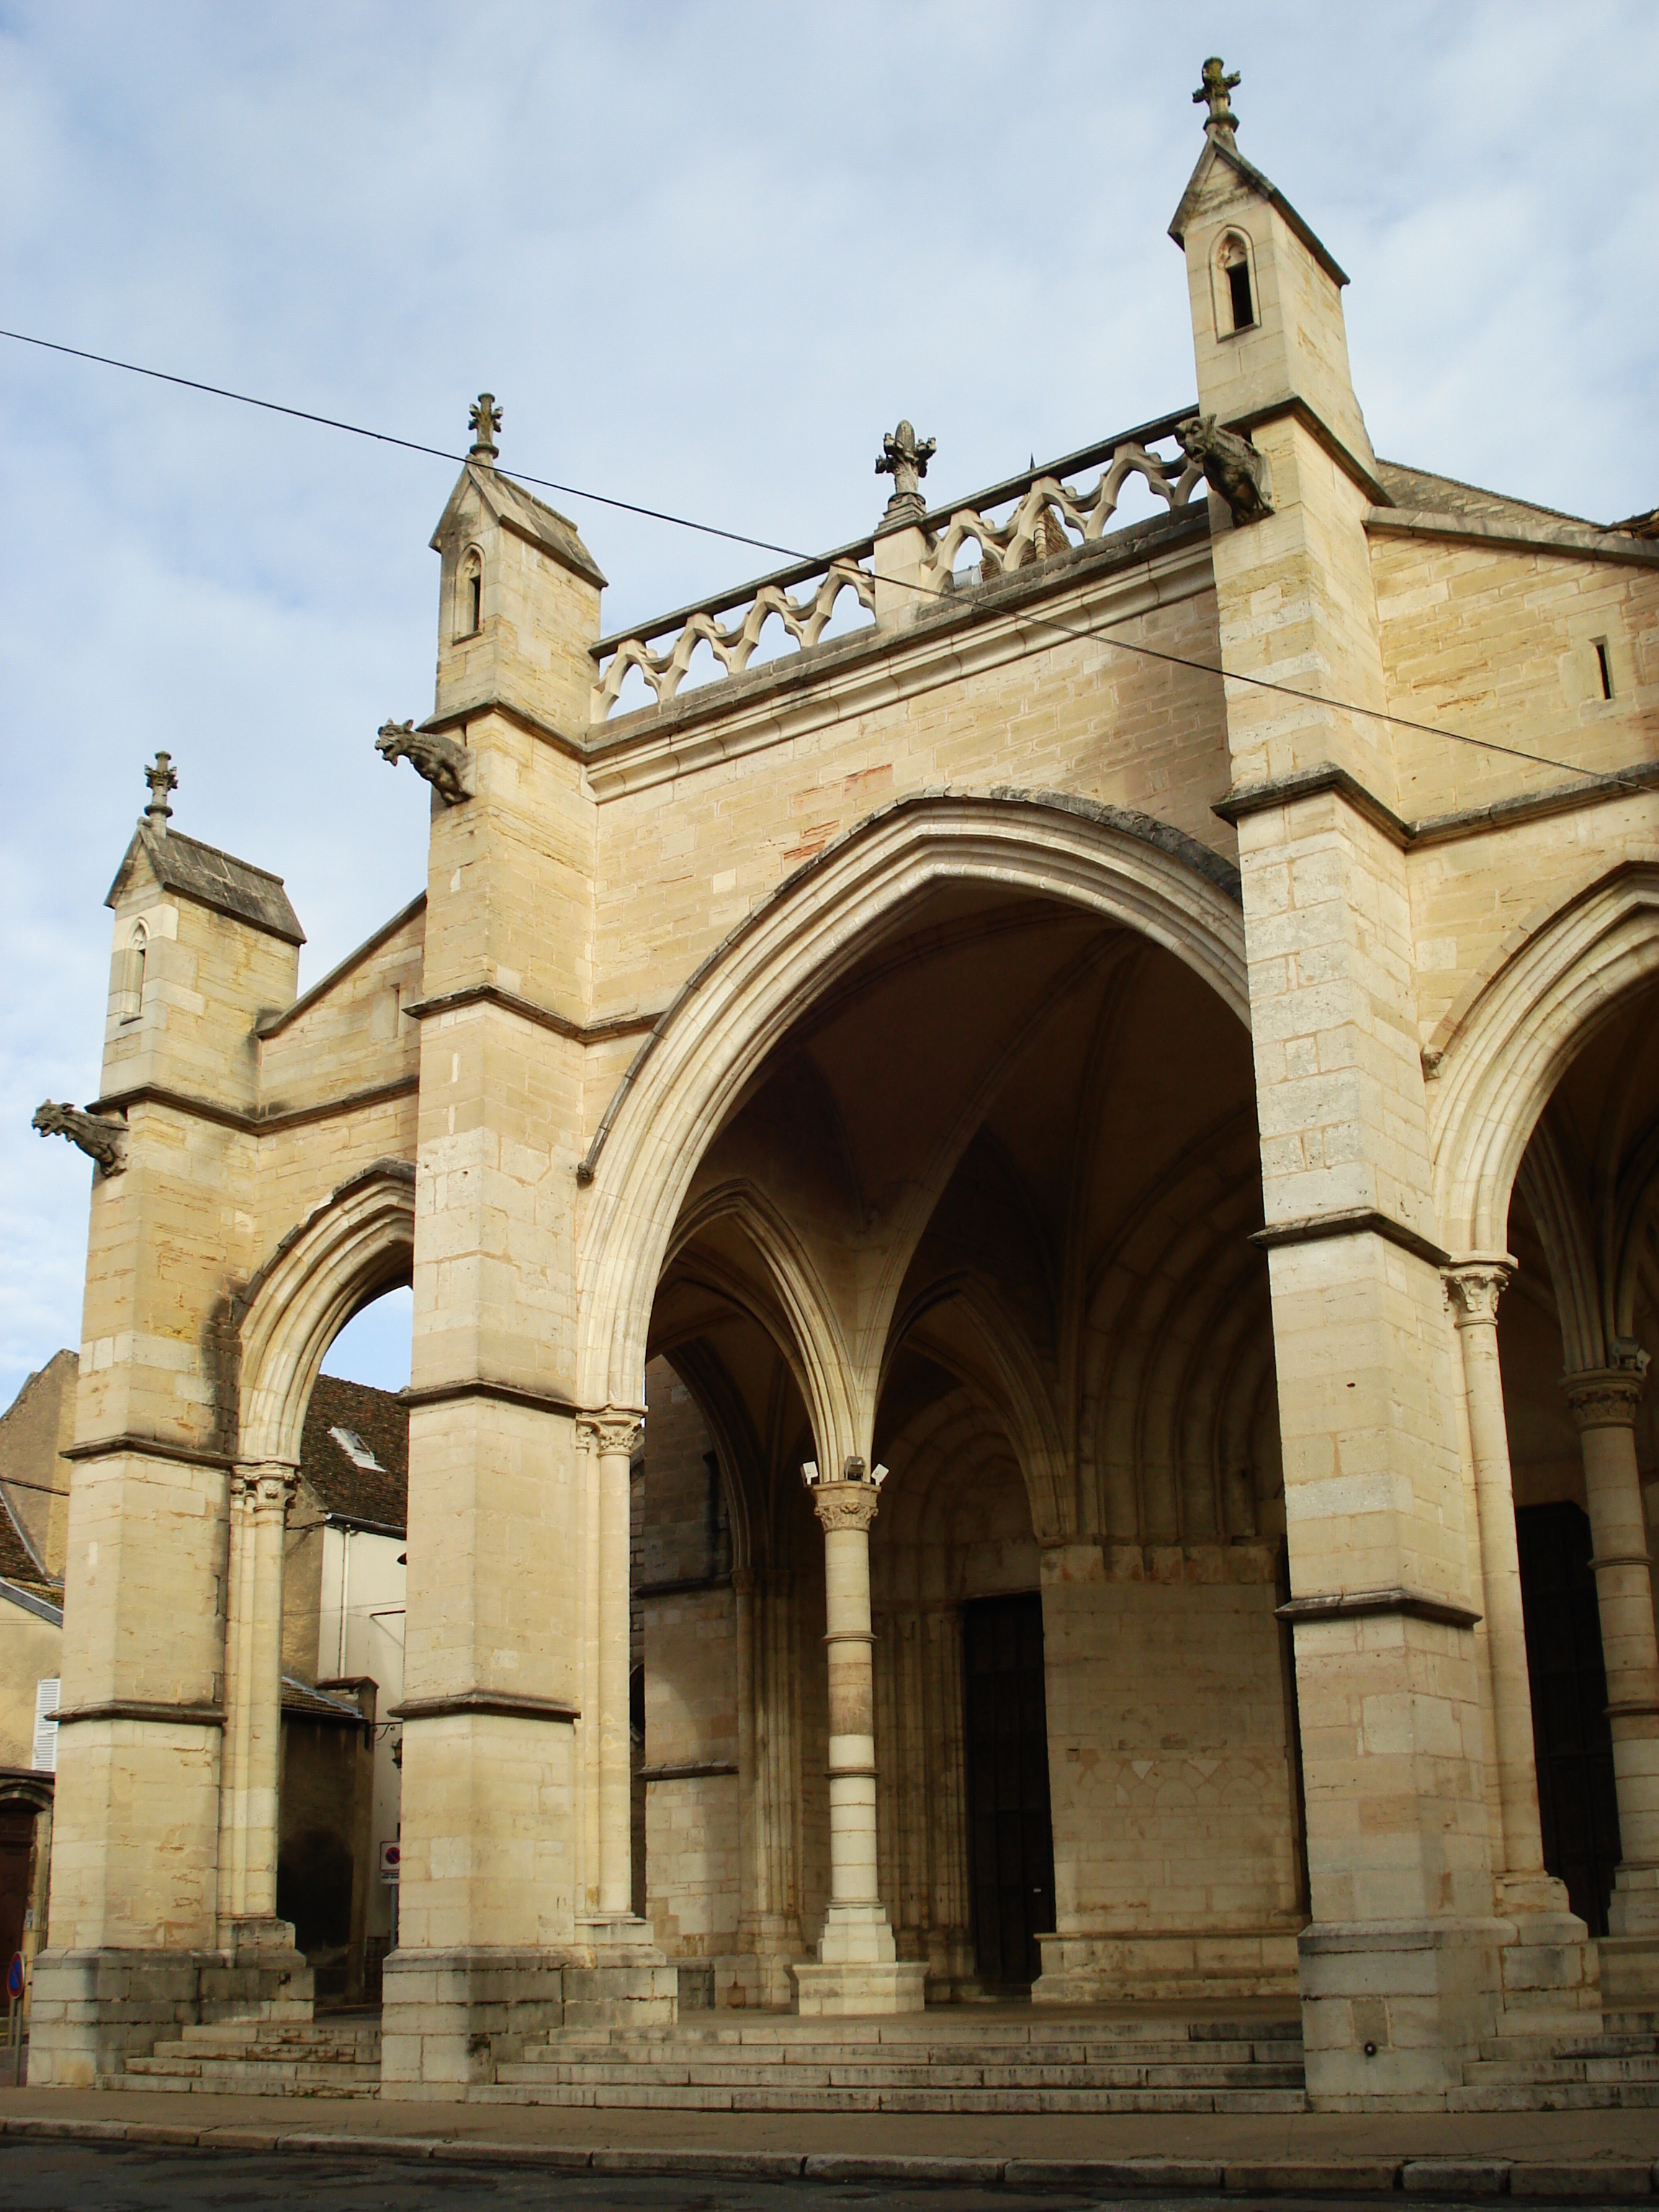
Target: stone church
column 1072, row 1091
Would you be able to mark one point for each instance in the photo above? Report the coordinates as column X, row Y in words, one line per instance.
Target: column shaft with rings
column 1604, row 1401
column 857, row 1969
column 1552, row 1967
column 250, row 1790
column 611, row 1437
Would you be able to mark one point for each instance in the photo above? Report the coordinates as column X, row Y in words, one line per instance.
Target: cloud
column 705, row 256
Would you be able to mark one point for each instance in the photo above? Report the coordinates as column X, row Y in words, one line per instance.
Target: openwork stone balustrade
column 1026, row 518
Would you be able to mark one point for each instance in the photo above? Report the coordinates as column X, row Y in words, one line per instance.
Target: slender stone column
column 250, row 1788
column 612, row 1436
column 1604, row 1402
column 743, row 1592
column 1475, row 1287
column 858, row 1969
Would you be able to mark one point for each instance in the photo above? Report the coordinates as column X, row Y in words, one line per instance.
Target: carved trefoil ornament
column 1232, row 466
column 445, row 764
column 100, row 1140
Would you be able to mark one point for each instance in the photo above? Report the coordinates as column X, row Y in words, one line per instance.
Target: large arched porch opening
column 1546, row 1126
column 976, row 1204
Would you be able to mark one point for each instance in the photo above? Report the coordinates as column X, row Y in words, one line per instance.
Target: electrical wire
column 1100, row 631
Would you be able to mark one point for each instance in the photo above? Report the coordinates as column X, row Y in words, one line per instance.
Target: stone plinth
column 452, row 2017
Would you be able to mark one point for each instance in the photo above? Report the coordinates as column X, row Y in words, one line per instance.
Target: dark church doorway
column 1010, row 1841
column 16, row 1848
column 1571, row 1740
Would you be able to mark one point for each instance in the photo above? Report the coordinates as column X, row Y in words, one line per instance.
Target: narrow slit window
column 1604, row 667
column 475, row 584
column 1238, row 284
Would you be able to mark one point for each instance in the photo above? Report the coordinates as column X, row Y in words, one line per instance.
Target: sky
column 704, row 255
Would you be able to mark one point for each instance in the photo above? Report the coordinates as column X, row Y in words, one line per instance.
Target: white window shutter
column 47, row 1695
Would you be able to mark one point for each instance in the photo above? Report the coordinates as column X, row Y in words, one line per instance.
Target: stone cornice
column 501, row 1703
column 130, row 1445
column 1360, row 1605
column 1350, row 1221
column 491, row 994
column 264, row 1118
column 506, row 1393
column 1570, row 541
column 691, row 1770
column 1590, row 790
column 457, row 718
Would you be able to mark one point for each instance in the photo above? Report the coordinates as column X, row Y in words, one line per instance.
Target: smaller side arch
column 1519, row 1034
column 358, row 1243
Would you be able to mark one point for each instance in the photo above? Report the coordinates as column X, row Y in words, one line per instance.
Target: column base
column 1392, row 2011
column 1551, row 1975
column 450, row 2018
column 1092, row 1967
column 768, row 1946
column 92, row 2010
column 853, row 1990
column 261, row 1974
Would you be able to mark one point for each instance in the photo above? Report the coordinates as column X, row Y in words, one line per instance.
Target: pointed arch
column 1130, row 871
column 1518, row 1035
column 357, row 1243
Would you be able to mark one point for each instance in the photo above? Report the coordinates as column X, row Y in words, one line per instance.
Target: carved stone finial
column 484, row 420
column 162, row 777
column 1216, row 88
column 1231, row 466
column 906, row 462
column 446, row 765
column 99, row 1139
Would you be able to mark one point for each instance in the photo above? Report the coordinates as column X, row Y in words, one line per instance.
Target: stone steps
column 926, row 2064
column 262, row 2058
column 686, row 2098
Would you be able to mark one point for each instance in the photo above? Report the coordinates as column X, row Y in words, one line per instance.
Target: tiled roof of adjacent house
column 353, row 1452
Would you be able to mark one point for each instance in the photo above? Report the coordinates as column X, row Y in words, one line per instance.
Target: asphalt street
column 69, row 2176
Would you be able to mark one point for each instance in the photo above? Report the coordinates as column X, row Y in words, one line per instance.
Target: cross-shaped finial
column 1217, row 89
column 161, row 778
column 483, row 420
column 906, row 462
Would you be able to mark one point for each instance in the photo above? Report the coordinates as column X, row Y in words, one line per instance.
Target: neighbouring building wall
column 360, row 1634
column 30, row 1653
column 35, row 1480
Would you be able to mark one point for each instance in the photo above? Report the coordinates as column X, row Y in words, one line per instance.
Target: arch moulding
column 1519, row 1034
column 739, row 1005
column 358, row 1243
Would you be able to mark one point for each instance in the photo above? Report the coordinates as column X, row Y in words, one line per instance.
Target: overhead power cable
column 1095, row 630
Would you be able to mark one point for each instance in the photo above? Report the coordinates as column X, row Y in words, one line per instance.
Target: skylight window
column 355, row 1449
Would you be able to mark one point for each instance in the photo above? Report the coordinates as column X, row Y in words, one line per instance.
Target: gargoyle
column 1231, row 466
column 99, row 1139
column 440, row 760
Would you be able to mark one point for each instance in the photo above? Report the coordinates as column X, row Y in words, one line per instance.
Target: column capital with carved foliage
column 610, row 1431
column 1608, row 1397
column 1474, row 1284
column 268, row 1484
column 845, row 1504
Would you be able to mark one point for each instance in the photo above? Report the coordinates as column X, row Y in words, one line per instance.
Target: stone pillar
column 1604, row 1402
column 858, row 1969
column 611, row 1439
column 769, row 1926
column 1552, row 1965
column 250, row 1788
column 947, row 1815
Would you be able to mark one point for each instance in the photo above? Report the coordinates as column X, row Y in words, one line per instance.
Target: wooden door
column 1010, row 1833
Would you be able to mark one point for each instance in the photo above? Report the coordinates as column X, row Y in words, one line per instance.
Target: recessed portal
column 1010, row 1827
